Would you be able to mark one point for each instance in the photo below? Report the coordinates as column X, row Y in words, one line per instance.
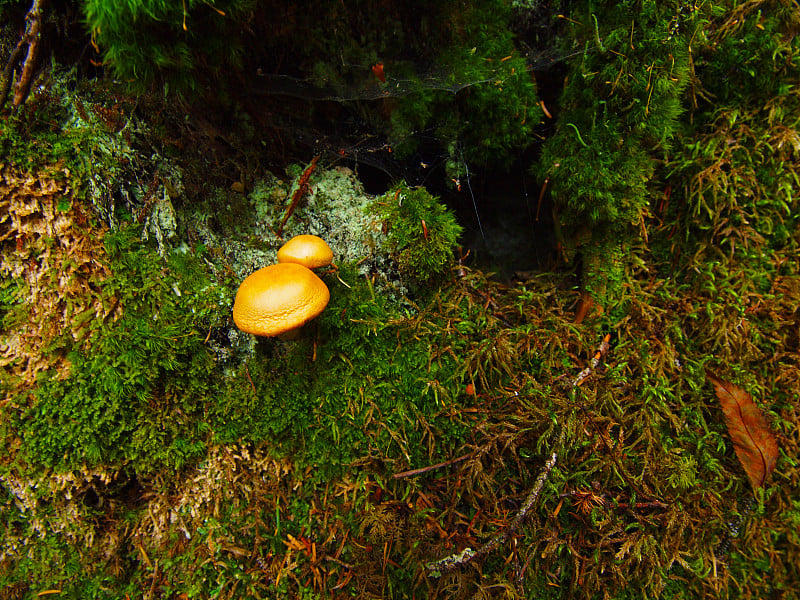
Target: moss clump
column 421, row 234
column 150, row 42
column 346, row 462
column 34, row 137
column 619, row 112
column 733, row 180
column 484, row 109
column 318, row 398
column 642, row 494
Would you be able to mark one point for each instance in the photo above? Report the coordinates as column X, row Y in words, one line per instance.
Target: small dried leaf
column 587, row 307
column 752, row 438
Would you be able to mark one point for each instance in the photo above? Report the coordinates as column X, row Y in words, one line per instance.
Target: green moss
column 67, row 572
column 486, row 108
column 136, row 389
column 737, row 166
column 299, row 457
column 320, row 396
column 748, row 55
column 34, row 137
column 369, row 393
column 620, row 111
column 11, row 293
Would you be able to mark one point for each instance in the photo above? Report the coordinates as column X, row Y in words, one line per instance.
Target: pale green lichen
column 334, row 207
column 160, row 221
column 338, row 210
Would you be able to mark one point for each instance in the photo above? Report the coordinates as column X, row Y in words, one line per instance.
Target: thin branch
column 8, row 72
column 302, row 188
column 421, row 470
column 604, row 347
column 34, row 35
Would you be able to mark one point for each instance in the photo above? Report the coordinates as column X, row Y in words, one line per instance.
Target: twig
column 34, row 35
column 8, row 72
column 454, row 561
column 250, row 379
column 153, row 583
column 302, row 188
column 337, row 561
column 605, row 345
column 541, row 196
column 421, row 470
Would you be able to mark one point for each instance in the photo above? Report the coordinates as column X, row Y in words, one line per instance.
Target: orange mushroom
column 307, row 250
column 278, row 300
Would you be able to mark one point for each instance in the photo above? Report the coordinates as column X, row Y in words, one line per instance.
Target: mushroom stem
column 291, row 335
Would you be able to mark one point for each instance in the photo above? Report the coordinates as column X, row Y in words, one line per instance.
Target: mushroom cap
column 279, row 298
column 307, row 250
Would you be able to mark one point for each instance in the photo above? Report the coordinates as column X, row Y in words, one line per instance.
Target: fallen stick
column 466, row 556
column 604, row 347
column 421, row 470
column 302, row 188
column 32, row 38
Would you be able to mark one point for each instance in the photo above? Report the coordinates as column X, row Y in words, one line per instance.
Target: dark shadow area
column 508, row 228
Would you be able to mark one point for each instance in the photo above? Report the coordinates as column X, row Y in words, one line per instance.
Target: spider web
column 354, row 139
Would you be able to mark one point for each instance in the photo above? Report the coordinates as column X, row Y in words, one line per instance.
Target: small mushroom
column 278, row 300
column 307, row 250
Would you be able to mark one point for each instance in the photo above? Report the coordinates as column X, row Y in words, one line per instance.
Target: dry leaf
column 753, row 440
column 587, row 307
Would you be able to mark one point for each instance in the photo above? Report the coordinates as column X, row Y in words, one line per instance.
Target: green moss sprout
column 149, row 42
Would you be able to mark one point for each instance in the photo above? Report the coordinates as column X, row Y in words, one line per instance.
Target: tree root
column 32, row 38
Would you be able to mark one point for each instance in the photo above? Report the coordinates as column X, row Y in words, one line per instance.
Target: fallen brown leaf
column 752, row 438
column 587, row 307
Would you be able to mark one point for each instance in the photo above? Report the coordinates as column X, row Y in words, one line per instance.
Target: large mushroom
column 278, row 300
column 308, row 250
